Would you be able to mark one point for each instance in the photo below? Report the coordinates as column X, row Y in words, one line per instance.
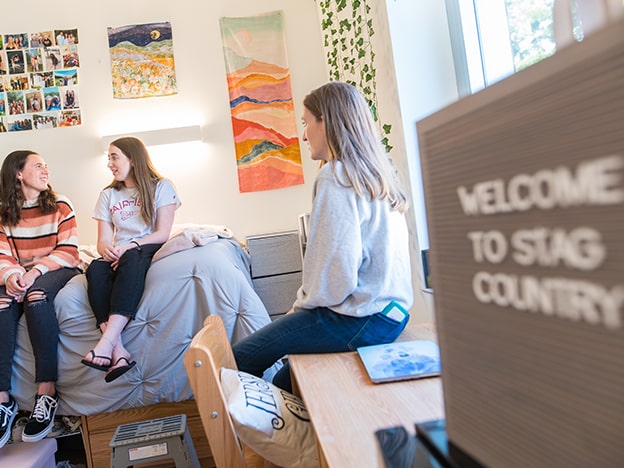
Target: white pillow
column 87, row 254
column 273, row 422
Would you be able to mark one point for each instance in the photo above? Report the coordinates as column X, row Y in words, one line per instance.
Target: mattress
column 181, row 290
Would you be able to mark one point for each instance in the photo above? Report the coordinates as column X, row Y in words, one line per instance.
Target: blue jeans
column 42, row 325
column 119, row 291
column 311, row 331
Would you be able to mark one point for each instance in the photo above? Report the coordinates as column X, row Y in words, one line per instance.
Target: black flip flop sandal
column 100, row 367
column 117, row 372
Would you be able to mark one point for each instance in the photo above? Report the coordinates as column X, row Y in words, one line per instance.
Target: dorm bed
column 194, row 279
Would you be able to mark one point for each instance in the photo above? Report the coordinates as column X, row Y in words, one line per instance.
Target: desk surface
column 346, row 408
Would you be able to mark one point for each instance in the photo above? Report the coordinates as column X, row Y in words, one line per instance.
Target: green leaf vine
column 347, row 30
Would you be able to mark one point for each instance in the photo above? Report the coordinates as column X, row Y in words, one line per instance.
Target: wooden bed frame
column 98, row 431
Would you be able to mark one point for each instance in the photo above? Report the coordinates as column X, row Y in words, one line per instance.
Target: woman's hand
column 111, row 253
column 14, row 287
column 122, row 249
column 29, row 278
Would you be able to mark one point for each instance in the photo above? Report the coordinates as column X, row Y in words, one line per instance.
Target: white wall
column 416, row 66
column 412, row 38
column 204, row 173
column 425, row 74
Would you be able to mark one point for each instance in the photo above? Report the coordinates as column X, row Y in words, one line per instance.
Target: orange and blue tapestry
column 267, row 148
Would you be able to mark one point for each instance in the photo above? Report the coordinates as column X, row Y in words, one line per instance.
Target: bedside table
column 276, row 263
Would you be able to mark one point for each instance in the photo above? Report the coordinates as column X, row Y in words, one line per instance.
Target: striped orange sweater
column 43, row 241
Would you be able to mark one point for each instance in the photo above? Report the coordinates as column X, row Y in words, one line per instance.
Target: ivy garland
column 347, row 40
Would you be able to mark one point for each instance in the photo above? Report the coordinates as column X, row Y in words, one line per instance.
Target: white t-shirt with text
column 122, row 208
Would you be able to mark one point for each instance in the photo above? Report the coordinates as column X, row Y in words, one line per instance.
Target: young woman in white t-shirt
column 135, row 213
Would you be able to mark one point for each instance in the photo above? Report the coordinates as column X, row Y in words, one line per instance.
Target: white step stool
column 153, row 440
column 34, row 454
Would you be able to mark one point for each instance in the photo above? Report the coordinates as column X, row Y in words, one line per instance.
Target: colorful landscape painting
column 142, row 62
column 261, row 106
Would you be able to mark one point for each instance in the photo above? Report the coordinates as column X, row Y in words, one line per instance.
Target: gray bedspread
column 181, row 290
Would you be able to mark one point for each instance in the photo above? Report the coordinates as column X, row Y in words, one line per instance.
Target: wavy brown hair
column 145, row 174
column 11, row 194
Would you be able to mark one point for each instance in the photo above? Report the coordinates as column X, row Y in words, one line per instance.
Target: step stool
column 153, row 440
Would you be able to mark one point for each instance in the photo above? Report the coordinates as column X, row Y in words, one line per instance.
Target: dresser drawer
column 274, row 254
column 278, row 293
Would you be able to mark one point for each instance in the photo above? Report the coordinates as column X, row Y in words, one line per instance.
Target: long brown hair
column 353, row 139
column 11, row 194
column 145, row 174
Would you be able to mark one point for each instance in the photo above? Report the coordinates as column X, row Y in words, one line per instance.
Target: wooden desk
column 346, row 408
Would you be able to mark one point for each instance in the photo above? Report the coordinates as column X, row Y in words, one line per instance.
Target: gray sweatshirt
column 357, row 256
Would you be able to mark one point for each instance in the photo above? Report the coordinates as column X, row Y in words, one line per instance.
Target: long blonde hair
column 145, row 174
column 353, row 139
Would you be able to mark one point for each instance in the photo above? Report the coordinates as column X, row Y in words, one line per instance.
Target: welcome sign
column 581, row 247
column 524, row 186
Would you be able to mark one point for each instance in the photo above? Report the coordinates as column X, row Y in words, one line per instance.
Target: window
column 490, row 40
column 496, row 38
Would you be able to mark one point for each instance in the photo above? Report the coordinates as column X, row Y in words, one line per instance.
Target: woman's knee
column 37, row 296
column 5, row 302
column 132, row 257
column 98, row 269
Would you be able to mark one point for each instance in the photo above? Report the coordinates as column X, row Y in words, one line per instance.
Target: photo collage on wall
column 39, row 80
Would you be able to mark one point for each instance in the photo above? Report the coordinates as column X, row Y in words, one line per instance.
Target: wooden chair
column 210, row 350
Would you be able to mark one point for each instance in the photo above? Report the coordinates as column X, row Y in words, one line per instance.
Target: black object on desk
column 433, row 436
column 429, row 449
column 402, row 450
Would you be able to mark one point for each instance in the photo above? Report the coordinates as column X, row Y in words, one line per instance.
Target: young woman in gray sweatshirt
column 357, row 284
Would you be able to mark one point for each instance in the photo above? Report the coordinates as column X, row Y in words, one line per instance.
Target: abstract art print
column 267, row 148
column 142, row 63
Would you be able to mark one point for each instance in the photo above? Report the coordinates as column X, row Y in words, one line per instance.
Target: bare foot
column 119, row 352
column 101, row 355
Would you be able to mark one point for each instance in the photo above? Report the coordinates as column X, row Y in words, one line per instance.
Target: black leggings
column 119, row 291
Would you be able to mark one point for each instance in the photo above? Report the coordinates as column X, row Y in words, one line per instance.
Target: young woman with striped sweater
column 38, row 255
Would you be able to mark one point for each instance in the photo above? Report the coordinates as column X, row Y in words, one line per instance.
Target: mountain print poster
column 142, row 62
column 261, row 106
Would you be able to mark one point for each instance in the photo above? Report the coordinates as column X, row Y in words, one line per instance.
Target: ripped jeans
column 41, row 322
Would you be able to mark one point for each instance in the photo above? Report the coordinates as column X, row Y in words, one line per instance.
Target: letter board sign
column 524, row 189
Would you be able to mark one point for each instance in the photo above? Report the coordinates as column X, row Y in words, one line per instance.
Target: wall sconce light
column 165, row 136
